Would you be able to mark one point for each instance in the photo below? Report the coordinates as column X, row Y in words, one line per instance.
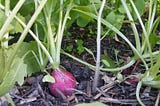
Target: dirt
column 110, row 90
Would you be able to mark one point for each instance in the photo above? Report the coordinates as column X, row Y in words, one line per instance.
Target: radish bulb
column 64, row 82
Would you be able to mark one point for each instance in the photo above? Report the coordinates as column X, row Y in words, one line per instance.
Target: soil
column 110, row 90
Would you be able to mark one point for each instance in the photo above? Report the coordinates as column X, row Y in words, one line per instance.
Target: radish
column 64, row 82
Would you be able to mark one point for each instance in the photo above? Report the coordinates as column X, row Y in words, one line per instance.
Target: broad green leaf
column 16, row 26
column 30, row 59
column 27, row 8
column 82, row 22
column 115, row 19
column 48, row 78
column 140, row 5
column 16, row 73
column 83, row 19
column 91, row 104
column 153, row 39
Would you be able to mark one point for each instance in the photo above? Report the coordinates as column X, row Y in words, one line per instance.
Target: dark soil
column 110, row 90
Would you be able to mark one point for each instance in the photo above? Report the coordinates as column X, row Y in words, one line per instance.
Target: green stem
column 7, row 8
column 50, row 35
column 136, row 35
column 10, row 18
column 146, row 35
column 59, row 36
column 101, row 68
column 137, row 93
column 51, row 39
column 37, row 34
column 61, row 30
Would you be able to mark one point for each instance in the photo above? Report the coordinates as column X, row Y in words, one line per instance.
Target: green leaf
column 83, row 19
column 27, row 8
column 151, row 77
column 153, row 39
column 30, row 59
column 82, row 22
column 115, row 19
column 69, row 48
column 140, row 5
column 80, row 47
column 16, row 26
column 48, row 78
column 91, row 104
column 15, row 74
column 107, row 61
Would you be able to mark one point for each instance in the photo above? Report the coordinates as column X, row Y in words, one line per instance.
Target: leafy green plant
column 143, row 42
column 53, row 33
column 12, row 60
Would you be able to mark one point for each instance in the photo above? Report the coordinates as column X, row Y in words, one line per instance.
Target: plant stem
column 146, row 35
column 36, row 31
column 61, row 30
column 136, row 35
column 101, row 68
column 10, row 18
column 96, row 76
column 7, row 8
column 137, row 93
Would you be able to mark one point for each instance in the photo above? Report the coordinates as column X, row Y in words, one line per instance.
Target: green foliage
column 80, row 47
column 140, row 5
column 158, row 7
column 16, row 64
column 16, row 73
column 24, row 64
column 69, row 48
column 153, row 39
column 27, row 8
column 48, row 78
column 107, row 61
column 14, row 27
column 115, row 19
column 152, row 77
column 30, row 50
